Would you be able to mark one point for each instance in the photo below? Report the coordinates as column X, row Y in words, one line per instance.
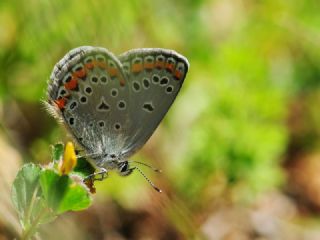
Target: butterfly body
column 112, row 105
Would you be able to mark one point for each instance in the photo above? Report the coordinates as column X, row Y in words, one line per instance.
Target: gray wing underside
column 116, row 119
column 99, row 124
column 151, row 90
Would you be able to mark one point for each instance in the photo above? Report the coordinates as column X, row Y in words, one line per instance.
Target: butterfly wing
column 89, row 91
column 155, row 77
column 112, row 106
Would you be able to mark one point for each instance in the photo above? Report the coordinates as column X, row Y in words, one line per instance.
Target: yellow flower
column 69, row 160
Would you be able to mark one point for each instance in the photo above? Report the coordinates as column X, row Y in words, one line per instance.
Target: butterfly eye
column 124, row 169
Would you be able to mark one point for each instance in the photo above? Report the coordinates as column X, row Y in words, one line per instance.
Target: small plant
column 41, row 193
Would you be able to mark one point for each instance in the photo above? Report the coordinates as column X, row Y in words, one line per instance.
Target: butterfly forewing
column 155, row 77
column 90, row 91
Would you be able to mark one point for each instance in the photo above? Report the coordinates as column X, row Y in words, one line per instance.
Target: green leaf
column 53, row 187
column 57, row 152
column 46, row 214
column 27, row 198
column 76, row 198
column 25, row 187
column 62, row 193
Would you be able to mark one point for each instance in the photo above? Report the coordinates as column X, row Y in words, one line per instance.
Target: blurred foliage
column 248, row 107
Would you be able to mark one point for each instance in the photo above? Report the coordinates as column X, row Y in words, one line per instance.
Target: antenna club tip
column 158, row 190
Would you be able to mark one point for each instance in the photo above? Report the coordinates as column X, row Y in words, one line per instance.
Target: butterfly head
column 124, row 168
column 111, row 162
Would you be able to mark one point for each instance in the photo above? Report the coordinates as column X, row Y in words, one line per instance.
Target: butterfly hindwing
column 155, row 77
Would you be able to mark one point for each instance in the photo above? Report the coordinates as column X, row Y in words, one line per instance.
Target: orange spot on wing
column 89, row 65
column 80, row 73
column 61, row 103
column 169, row 67
column 137, row 67
column 72, row 84
column 122, row 82
column 113, row 71
column 178, row 74
column 159, row 64
column 148, row 65
column 100, row 64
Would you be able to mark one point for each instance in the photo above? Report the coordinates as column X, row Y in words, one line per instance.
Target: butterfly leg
column 98, row 176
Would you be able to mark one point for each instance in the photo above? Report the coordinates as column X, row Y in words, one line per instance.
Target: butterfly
column 112, row 105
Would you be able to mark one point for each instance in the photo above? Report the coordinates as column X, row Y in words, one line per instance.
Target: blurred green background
column 240, row 147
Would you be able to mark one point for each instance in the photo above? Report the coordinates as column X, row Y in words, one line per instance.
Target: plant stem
column 29, row 231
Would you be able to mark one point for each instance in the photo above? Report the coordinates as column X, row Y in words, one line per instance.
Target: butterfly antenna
column 144, row 164
column 149, row 181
